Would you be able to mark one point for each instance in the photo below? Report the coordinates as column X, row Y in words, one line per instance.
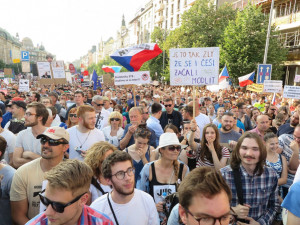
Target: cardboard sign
column 26, row 67
column 140, row 77
column 272, row 86
column 194, row 66
column 107, row 80
column 255, row 87
column 23, row 85
column 8, row 72
column 291, row 92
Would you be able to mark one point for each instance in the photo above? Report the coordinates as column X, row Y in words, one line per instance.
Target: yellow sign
column 16, row 60
column 255, row 87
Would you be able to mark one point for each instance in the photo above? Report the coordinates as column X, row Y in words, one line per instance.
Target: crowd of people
column 73, row 155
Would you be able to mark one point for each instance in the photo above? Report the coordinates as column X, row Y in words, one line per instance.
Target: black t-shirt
column 170, row 118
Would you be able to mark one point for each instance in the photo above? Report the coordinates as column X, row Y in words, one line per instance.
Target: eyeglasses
column 121, row 174
column 73, row 115
column 28, row 114
column 98, row 104
column 52, row 142
column 273, row 109
column 227, row 219
column 123, row 99
column 114, row 119
column 296, row 138
column 170, row 105
column 146, row 113
column 57, row 206
column 172, row 148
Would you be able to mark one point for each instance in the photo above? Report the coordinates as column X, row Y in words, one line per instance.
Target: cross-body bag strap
column 98, row 186
column 112, row 210
column 238, row 185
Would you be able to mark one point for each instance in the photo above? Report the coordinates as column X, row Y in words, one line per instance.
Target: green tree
column 244, row 43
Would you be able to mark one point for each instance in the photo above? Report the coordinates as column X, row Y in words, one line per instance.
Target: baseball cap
column 55, row 133
column 104, row 98
column 19, row 104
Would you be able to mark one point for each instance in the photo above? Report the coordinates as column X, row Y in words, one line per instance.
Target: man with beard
column 28, row 147
column 288, row 128
column 124, row 204
column 27, row 181
column 227, row 134
column 84, row 135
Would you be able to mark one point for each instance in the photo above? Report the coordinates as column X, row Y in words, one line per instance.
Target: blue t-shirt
column 292, row 201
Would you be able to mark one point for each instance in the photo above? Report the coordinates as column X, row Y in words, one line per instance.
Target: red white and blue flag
column 273, row 99
column 111, row 69
column 224, row 82
column 223, row 75
column 132, row 58
column 247, row 79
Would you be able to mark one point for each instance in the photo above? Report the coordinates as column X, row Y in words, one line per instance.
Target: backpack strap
column 98, row 186
column 238, row 185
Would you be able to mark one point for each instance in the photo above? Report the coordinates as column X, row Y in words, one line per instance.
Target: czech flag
column 132, row 58
column 247, row 79
column 111, row 69
column 223, row 75
column 273, row 99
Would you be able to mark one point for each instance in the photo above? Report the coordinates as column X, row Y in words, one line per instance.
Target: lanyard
column 112, row 210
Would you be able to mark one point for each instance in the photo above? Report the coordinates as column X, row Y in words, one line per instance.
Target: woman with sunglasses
column 114, row 131
column 209, row 152
column 72, row 118
column 94, row 158
column 119, row 108
column 163, row 176
column 141, row 152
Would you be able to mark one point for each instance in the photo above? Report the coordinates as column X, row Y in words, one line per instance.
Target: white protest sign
column 141, row 77
column 272, row 86
column 44, row 70
column 291, row 92
column 23, row 85
column 297, row 78
column 58, row 69
column 194, row 66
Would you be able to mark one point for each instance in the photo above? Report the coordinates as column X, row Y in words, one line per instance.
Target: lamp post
column 268, row 33
column 165, row 31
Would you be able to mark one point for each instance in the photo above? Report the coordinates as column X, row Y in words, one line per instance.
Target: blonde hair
column 72, row 175
column 95, row 154
column 73, row 111
column 116, row 114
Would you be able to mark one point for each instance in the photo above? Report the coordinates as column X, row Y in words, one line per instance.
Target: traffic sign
column 16, row 60
column 24, row 55
column 264, row 72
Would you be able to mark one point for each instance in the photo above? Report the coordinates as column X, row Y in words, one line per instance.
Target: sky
column 66, row 28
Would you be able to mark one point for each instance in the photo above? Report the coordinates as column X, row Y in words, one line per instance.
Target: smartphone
column 243, row 220
column 78, row 151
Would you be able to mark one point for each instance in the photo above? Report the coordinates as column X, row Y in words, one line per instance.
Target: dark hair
column 53, row 110
column 236, row 158
column 1, row 114
column 251, row 114
column 228, row 114
column 143, row 132
column 53, row 94
column 189, row 110
column 111, row 160
column 173, row 127
column 204, row 181
column 169, row 100
column 37, row 96
column 40, row 110
column 155, row 108
column 3, row 145
column 240, row 105
column 269, row 135
column 205, row 152
column 79, row 92
column 119, row 107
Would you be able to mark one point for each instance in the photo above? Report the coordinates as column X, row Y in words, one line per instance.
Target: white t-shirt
column 115, row 140
column 140, row 210
column 11, row 143
column 102, row 119
column 96, row 193
column 202, row 120
column 28, row 142
column 82, row 141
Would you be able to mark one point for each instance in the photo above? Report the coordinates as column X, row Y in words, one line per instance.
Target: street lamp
column 268, row 33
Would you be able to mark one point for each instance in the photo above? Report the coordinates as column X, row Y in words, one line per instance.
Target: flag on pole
column 96, row 80
column 224, row 74
column 223, row 81
column 132, row 58
column 273, row 99
column 111, row 69
column 247, row 79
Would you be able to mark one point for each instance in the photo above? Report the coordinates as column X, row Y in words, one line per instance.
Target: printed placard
column 44, row 70
column 273, row 86
column 194, row 66
column 291, row 92
column 58, row 69
column 141, row 77
column 23, row 85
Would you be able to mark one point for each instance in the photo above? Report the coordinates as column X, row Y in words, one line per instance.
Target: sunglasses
column 98, row 104
column 172, row 148
column 73, row 115
column 52, row 142
column 116, row 119
column 57, row 206
column 168, row 105
column 123, row 99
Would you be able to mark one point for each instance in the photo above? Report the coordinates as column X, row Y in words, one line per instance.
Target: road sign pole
column 268, row 33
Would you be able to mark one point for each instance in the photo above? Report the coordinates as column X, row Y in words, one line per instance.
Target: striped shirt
column 260, row 192
column 89, row 216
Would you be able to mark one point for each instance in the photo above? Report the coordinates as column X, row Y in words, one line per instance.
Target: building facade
column 10, row 47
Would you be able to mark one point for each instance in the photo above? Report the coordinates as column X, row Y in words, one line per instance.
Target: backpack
column 16, row 126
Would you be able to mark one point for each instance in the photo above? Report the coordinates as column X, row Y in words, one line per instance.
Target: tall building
column 10, row 47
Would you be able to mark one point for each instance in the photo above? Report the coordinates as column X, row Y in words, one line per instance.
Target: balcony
column 290, row 39
column 160, row 7
column 160, row 19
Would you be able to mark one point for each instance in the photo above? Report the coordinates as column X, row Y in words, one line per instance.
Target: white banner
column 194, row 66
column 291, row 92
column 58, row 69
column 141, row 77
column 23, row 85
column 44, row 70
column 273, row 86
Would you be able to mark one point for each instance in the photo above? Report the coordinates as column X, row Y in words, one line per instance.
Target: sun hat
column 167, row 139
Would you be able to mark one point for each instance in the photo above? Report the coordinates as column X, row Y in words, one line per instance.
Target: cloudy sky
column 67, row 28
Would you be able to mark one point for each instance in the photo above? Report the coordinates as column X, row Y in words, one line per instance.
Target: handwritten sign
column 141, row 77
column 255, row 87
column 291, row 92
column 23, row 85
column 273, row 86
column 44, row 70
column 194, row 66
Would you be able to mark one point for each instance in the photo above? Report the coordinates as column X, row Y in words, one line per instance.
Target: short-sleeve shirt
column 28, row 142
column 27, row 184
column 292, row 201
